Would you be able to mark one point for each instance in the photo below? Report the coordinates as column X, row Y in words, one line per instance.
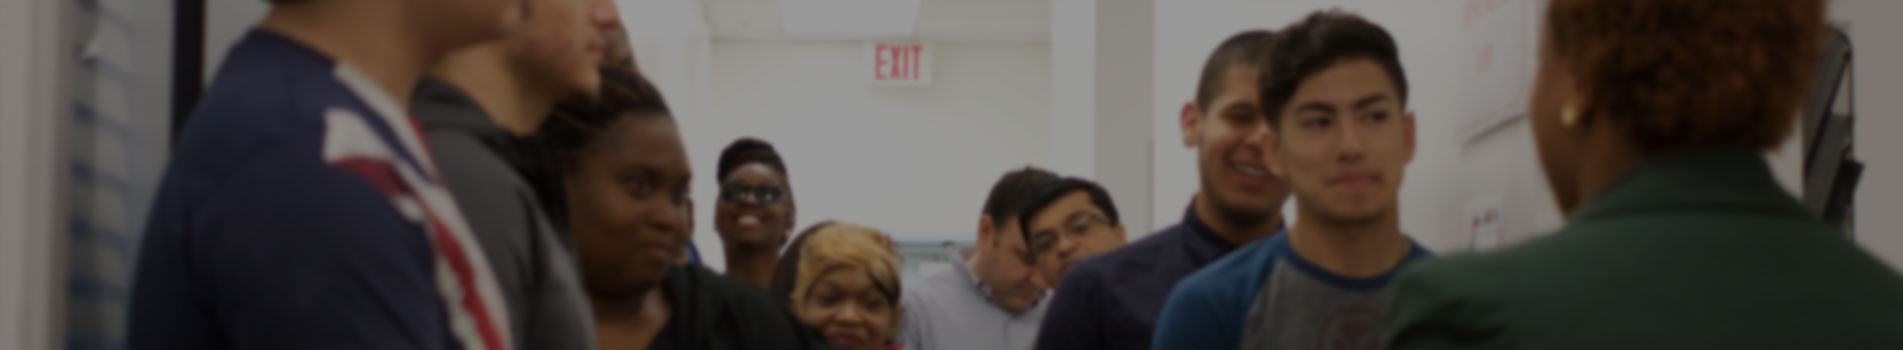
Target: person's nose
column 1067, row 247
column 1351, row 147
column 850, row 314
column 669, row 217
column 604, row 14
column 1258, row 136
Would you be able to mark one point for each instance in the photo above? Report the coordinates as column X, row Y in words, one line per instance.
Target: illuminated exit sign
column 899, row 63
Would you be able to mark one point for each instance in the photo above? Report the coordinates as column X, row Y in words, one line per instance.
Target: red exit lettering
column 896, row 62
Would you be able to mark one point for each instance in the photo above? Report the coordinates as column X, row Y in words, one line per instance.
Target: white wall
column 1073, row 87
column 32, row 105
column 915, row 161
column 1873, row 27
column 672, row 45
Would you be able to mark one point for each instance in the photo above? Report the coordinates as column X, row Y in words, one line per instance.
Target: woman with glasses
column 755, row 210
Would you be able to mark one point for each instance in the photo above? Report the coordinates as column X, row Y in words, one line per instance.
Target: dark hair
column 1013, row 191
column 1690, row 73
column 748, row 150
column 1245, row 48
column 1317, row 43
column 1052, row 190
column 575, row 124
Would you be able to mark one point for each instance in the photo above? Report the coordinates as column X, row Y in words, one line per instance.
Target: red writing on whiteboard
column 1477, row 10
column 1485, row 59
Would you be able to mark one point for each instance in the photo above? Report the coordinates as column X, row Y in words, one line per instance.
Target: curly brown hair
column 1678, row 74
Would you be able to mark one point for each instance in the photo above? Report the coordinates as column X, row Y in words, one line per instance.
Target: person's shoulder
column 267, row 93
column 1457, row 299
column 733, row 293
column 935, row 286
column 268, row 83
column 1139, row 254
column 745, row 312
column 1237, row 271
column 470, row 165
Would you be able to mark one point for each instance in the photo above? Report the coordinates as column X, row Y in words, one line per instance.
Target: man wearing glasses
column 1072, row 219
column 995, row 298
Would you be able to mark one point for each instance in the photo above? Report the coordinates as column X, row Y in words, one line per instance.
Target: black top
column 716, row 312
column 1111, row 301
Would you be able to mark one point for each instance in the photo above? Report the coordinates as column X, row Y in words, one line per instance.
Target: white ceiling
column 978, row 21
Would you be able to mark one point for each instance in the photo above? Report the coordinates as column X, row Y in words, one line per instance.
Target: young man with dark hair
column 1335, row 98
column 1071, row 219
column 300, row 209
column 995, row 298
column 474, row 111
column 1111, row 301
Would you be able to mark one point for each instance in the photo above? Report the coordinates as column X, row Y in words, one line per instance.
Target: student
column 1335, row 97
column 1072, row 219
column 481, row 100
column 994, row 299
column 1651, row 127
column 1111, row 301
column 843, row 279
column 625, row 178
column 755, row 209
column 300, row 210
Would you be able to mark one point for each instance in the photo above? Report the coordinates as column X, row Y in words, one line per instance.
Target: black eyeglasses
column 764, row 195
column 1077, row 225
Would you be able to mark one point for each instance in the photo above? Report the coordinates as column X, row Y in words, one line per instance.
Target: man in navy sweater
column 1111, row 301
column 300, row 209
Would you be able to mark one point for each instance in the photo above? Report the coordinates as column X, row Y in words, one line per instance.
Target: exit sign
column 898, row 63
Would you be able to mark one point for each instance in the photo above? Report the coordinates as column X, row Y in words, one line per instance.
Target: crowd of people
column 494, row 174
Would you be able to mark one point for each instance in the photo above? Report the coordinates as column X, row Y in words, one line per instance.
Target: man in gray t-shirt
column 1335, row 97
column 1301, row 306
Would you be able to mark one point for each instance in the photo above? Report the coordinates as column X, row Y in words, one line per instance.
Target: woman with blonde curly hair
column 844, row 280
column 1651, row 118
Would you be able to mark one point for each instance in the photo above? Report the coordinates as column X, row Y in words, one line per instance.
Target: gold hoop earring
column 1569, row 116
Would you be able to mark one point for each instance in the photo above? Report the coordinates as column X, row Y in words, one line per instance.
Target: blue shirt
column 1111, row 301
column 257, row 242
column 952, row 310
column 1266, row 295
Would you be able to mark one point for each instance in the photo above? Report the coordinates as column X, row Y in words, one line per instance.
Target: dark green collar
column 1712, row 181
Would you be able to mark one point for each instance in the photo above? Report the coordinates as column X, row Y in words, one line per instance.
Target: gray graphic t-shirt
column 1301, row 307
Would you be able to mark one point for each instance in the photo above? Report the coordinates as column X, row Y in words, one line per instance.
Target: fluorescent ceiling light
column 849, row 17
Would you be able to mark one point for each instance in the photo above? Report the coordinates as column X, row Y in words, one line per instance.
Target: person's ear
column 1121, row 237
column 1191, row 117
column 1408, row 120
column 985, row 229
column 1272, row 152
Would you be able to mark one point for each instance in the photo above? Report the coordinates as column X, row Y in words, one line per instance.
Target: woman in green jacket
column 1651, row 117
